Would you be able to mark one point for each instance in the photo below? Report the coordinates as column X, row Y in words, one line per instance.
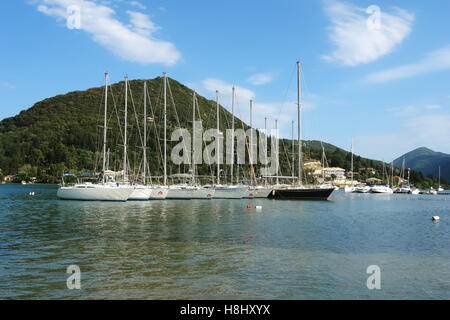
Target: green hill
column 65, row 134
column 427, row 161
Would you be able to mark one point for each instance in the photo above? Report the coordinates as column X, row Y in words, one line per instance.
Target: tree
column 27, row 171
column 1, row 175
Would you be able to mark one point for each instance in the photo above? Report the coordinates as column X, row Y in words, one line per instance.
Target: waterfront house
column 9, row 178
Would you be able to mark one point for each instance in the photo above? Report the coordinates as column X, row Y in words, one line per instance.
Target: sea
column 352, row 246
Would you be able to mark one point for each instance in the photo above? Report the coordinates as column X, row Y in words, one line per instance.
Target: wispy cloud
column 284, row 112
column 135, row 42
column 355, row 43
column 7, row 85
column 435, row 61
column 425, row 125
column 141, row 23
column 260, row 78
column 137, row 4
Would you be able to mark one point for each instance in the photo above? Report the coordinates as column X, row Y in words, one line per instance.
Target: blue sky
column 384, row 81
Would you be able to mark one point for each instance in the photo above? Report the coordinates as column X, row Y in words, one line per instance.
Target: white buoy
column 258, row 207
column 435, row 218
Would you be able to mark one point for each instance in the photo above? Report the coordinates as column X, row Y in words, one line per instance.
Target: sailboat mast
column 265, row 140
column 145, row 132
column 218, row 138
column 293, row 151
column 439, row 179
column 232, row 130
column 299, row 126
column 193, row 138
column 125, row 132
column 165, row 129
column 352, row 162
column 250, row 149
column 277, row 162
column 104, row 126
column 392, row 174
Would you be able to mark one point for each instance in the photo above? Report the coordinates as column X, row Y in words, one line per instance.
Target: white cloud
column 138, row 5
column 141, row 23
column 260, row 78
column 134, row 43
column 435, row 61
column 355, row 43
column 433, row 106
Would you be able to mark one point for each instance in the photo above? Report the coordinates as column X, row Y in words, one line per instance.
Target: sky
column 378, row 71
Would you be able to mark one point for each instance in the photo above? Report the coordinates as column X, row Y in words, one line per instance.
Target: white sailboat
column 381, row 189
column 227, row 191
column 254, row 191
column 362, row 189
column 142, row 192
column 105, row 191
column 198, row 191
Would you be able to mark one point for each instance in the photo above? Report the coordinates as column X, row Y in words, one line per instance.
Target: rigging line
column 252, row 171
column 281, row 109
column 160, row 166
column 306, row 93
column 148, row 133
column 97, row 140
column 204, row 142
column 115, row 109
column 135, row 115
column 176, row 116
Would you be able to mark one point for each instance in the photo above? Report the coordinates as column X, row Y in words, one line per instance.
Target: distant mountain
column 426, row 161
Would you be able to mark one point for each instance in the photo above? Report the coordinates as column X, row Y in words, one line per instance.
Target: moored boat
column 94, row 192
column 381, row 189
column 229, row 192
column 294, row 193
column 361, row 189
column 141, row 193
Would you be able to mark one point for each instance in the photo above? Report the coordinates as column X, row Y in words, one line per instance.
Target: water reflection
column 220, row 249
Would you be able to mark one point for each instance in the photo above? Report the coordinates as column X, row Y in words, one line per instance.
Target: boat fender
column 259, row 208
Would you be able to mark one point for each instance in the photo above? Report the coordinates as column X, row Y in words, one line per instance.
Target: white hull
column 202, row 193
column 349, row 189
column 365, row 189
column 381, row 189
column 230, row 192
column 159, row 193
column 141, row 193
column 179, row 193
column 94, row 193
column 415, row 191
